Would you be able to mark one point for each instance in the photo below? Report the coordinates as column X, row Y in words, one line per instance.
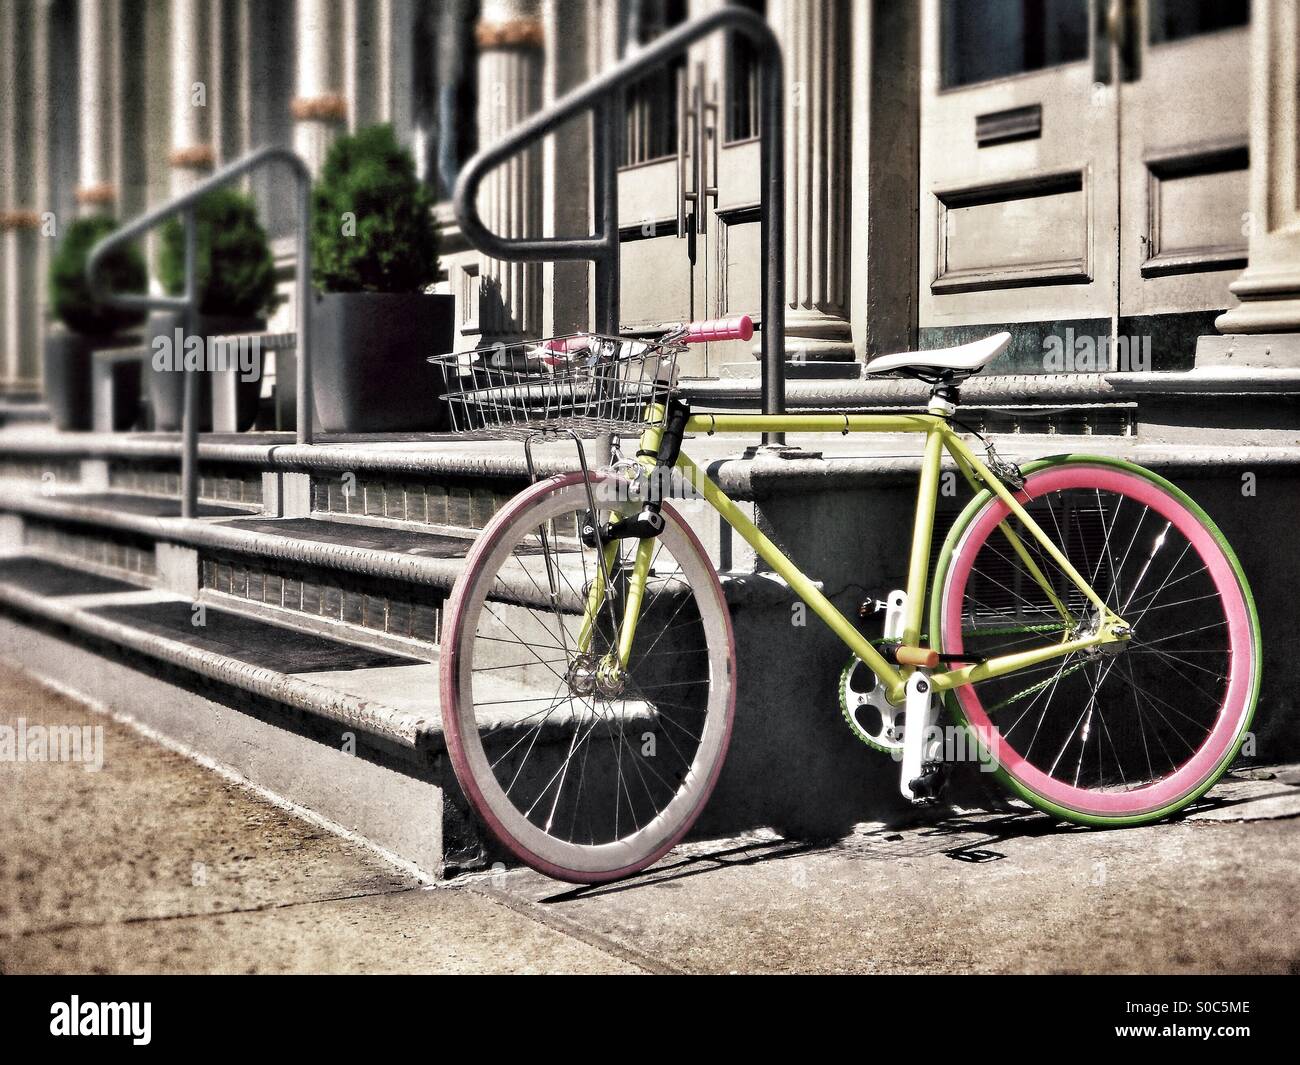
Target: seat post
column 945, row 394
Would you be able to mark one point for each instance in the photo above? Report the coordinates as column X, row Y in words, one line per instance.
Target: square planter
column 68, row 393
column 167, row 386
column 370, row 372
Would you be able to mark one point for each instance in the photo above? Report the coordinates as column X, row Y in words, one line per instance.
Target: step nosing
column 463, row 458
column 223, row 535
column 407, row 728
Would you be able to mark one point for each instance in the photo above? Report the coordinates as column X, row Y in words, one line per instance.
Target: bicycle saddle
column 965, row 359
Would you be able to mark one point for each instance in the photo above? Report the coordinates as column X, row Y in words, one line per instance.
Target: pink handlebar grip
column 741, row 328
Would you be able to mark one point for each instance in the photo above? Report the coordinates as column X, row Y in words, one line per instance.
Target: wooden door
column 1184, row 167
column 1083, row 175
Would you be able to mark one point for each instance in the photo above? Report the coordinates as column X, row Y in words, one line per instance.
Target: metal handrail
column 603, row 96
column 187, row 304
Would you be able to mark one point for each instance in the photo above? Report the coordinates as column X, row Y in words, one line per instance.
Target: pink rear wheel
column 1102, row 738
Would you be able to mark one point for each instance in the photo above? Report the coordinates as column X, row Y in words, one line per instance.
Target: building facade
column 1118, row 170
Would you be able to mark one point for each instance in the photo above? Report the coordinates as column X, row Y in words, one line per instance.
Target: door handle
column 1116, row 32
column 1105, row 20
column 683, row 141
column 715, row 137
column 706, row 129
column 1128, row 38
column 697, row 122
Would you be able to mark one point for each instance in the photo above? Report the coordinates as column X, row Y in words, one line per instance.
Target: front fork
column 657, row 453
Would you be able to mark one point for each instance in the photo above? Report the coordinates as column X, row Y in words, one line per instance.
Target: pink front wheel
column 1103, row 738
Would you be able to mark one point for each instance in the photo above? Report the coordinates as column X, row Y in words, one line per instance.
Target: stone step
column 324, row 676
column 279, row 704
column 426, row 480
column 347, row 732
column 362, row 579
column 388, row 607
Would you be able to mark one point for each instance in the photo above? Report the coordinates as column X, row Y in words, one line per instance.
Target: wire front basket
column 585, row 382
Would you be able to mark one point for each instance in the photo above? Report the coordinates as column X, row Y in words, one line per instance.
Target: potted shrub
column 236, row 287
column 374, row 252
column 86, row 326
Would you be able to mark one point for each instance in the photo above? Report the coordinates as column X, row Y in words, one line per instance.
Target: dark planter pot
column 369, row 365
column 167, row 386
column 68, row 358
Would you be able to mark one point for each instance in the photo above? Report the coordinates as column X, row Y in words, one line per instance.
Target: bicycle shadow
column 679, row 866
column 972, row 836
column 892, row 841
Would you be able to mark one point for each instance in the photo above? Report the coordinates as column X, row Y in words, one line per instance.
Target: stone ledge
column 447, row 456
column 1006, row 389
column 763, row 477
column 1210, row 381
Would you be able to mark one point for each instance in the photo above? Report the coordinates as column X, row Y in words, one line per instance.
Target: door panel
column 659, row 258
column 692, row 140
column 1018, row 186
column 728, row 80
column 661, row 280
column 1184, row 131
column 1100, row 183
column 1027, row 231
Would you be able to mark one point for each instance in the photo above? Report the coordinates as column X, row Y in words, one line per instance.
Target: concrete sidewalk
column 157, row 864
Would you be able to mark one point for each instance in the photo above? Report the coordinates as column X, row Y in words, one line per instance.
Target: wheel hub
column 589, row 675
column 581, row 676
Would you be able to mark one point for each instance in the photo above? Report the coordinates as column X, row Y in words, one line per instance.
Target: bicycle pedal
column 871, row 606
column 929, row 785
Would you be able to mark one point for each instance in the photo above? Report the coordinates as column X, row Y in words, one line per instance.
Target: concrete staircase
column 288, row 632
column 301, row 609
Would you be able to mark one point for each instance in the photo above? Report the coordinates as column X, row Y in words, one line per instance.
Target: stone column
column 230, row 40
column 10, row 315
column 815, row 35
column 1269, row 289
column 384, row 44
column 360, row 62
column 566, row 195
column 21, row 150
column 319, row 107
column 510, row 39
column 97, row 112
column 192, row 96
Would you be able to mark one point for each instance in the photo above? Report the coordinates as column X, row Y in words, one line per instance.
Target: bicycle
column 1088, row 625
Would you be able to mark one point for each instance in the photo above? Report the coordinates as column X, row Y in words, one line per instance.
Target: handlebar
column 740, row 328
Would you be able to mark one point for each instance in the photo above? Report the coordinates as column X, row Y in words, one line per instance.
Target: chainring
column 870, row 715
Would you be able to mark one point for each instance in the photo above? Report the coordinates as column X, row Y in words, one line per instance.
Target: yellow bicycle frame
column 939, row 436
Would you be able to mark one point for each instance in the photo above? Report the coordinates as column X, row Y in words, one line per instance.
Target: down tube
column 798, row 581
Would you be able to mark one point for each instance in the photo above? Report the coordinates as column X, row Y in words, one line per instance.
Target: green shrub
column 372, row 230
column 236, row 273
column 123, row 271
